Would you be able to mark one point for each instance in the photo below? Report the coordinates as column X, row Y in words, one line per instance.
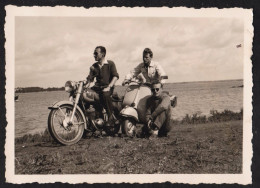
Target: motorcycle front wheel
column 61, row 129
column 129, row 127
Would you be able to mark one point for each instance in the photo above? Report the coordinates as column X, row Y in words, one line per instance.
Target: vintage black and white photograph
column 154, row 94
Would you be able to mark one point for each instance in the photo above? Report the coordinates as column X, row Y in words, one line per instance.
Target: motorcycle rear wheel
column 129, row 127
column 65, row 135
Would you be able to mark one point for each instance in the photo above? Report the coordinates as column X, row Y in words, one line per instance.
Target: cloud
column 51, row 50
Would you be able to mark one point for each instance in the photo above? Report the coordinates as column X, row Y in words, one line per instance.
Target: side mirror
column 164, row 77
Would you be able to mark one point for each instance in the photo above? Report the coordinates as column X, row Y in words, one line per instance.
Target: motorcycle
column 68, row 120
column 134, row 106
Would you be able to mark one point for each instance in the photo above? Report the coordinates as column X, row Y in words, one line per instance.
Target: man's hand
column 106, row 89
column 125, row 82
column 149, row 123
column 86, row 84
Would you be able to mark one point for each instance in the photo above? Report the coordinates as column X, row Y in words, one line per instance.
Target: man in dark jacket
column 106, row 76
column 158, row 112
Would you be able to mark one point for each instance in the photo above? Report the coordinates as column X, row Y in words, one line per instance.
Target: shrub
column 194, row 119
column 38, row 137
column 226, row 115
column 215, row 117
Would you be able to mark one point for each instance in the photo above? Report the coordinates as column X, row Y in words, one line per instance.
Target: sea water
column 31, row 111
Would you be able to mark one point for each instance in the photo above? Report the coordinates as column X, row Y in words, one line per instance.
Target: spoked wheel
column 129, row 127
column 60, row 127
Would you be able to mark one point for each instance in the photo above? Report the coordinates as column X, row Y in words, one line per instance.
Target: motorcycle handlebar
column 134, row 81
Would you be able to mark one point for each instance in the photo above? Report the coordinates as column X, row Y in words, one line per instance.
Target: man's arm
column 161, row 73
column 91, row 75
column 162, row 106
column 134, row 73
column 113, row 81
column 111, row 84
column 113, row 70
column 148, row 114
column 115, row 75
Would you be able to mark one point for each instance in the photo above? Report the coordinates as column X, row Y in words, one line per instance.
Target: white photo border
column 61, row 11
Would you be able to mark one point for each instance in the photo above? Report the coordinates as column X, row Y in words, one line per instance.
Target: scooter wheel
column 129, row 127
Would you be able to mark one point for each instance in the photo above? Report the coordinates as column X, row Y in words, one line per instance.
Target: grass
column 205, row 148
column 35, row 138
column 214, row 145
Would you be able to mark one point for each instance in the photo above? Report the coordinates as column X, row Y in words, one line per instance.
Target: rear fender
column 58, row 104
column 129, row 111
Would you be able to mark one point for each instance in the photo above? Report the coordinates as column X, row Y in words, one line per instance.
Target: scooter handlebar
column 127, row 82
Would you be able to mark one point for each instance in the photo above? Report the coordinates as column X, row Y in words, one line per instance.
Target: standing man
column 158, row 112
column 106, row 76
column 150, row 70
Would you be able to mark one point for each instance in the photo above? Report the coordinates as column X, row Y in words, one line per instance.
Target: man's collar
column 151, row 64
column 157, row 97
column 105, row 62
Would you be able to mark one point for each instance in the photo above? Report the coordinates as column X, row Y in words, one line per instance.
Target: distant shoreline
column 206, row 81
column 37, row 89
column 40, row 89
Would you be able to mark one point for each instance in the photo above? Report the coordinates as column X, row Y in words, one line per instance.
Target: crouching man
column 158, row 112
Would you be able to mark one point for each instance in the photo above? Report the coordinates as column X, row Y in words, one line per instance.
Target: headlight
column 69, row 86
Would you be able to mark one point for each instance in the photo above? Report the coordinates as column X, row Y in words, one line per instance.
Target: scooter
column 134, row 106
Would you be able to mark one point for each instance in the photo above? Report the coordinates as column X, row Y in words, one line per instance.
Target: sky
column 51, row 50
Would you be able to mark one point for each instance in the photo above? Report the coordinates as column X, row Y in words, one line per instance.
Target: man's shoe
column 154, row 127
column 155, row 132
column 154, row 135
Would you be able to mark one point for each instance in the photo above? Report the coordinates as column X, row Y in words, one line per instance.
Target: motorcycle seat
column 116, row 98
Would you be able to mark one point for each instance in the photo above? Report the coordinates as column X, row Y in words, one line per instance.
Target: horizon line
column 165, row 83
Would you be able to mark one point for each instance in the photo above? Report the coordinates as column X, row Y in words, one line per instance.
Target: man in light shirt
column 150, row 70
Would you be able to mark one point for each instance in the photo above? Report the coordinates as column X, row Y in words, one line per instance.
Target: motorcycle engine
column 92, row 114
column 99, row 122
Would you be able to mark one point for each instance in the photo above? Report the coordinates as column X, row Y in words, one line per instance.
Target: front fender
column 59, row 103
column 129, row 111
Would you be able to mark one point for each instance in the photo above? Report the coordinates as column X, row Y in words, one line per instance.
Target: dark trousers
column 163, row 121
column 105, row 100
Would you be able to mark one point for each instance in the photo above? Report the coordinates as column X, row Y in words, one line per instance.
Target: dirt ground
column 203, row 148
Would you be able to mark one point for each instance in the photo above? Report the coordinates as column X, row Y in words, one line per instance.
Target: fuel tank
column 90, row 95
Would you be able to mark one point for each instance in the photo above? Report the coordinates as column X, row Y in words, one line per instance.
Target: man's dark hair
column 102, row 49
column 148, row 51
column 156, row 82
